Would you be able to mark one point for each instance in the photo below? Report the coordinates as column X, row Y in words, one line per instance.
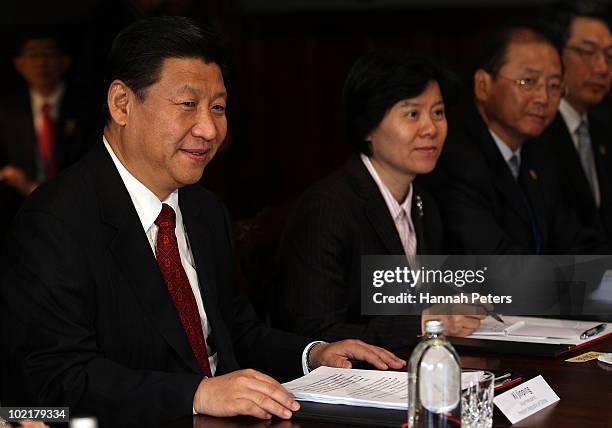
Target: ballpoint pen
column 496, row 316
column 593, row 331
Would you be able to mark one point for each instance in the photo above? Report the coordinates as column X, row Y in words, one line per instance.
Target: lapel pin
column 70, row 126
column 533, row 174
column 419, row 204
column 602, row 150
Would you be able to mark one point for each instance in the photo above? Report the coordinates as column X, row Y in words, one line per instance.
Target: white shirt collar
column 571, row 117
column 394, row 206
column 506, row 152
column 38, row 100
column 147, row 204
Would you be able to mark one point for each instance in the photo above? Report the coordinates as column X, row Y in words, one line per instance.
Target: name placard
column 526, row 399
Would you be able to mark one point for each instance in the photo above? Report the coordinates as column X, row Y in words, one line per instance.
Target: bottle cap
column 434, row 326
column 84, row 422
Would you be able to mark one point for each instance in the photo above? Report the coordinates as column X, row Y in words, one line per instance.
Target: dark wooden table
column 585, row 390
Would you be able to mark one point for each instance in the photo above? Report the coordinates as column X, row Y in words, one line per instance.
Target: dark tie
column 587, row 159
column 514, row 165
column 533, row 221
column 169, row 261
column 46, row 141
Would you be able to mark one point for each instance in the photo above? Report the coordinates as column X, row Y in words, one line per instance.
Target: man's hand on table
column 338, row 354
column 244, row 392
column 249, row 392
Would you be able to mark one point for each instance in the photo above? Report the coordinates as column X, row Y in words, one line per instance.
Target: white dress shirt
column 572, row 120
column 505, row 151
column 399, row 212
column 148, row 207
column 36, row 103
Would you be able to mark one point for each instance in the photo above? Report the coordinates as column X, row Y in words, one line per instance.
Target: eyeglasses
column 590, row 53
column 554, row 87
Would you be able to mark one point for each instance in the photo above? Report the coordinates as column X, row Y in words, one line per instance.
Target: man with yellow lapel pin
column 498, row 192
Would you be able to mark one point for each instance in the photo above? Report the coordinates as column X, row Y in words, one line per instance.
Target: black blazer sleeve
column 467, row 200
column 318, row 278
column 49, row 294
column 256, row 345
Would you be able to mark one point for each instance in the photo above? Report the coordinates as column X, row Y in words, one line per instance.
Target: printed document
column 366, row 388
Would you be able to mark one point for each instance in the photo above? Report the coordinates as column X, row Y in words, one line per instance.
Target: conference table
column 585, row 390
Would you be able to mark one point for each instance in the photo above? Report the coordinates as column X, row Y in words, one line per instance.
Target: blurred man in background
column 41, row 125
column 580, row 140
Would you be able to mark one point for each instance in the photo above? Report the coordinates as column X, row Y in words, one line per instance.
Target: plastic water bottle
column 434, row 381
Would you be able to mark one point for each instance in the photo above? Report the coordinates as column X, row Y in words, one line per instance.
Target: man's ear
column 119, row 99
column 368, row 141
column 482, row 84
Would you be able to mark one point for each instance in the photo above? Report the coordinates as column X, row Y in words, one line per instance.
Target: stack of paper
column 366, row 388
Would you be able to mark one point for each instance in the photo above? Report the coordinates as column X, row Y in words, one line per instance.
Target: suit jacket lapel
column 24, row 121
column 570, row 158
column 529, row 178
column 132, row 253
column 201, row 244
column 502, row 177
column 417, row 214
column 602, row 162
column 375, row 207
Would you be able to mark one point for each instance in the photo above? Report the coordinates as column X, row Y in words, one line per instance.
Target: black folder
column 521, row 348
column 351, row 415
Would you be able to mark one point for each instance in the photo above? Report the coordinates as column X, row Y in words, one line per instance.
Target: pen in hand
column 496, row 316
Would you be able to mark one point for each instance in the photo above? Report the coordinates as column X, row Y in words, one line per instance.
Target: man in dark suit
column 497, row 192
column 581, row 141
column 42, row 124
column 394, row 108
column 116, row 296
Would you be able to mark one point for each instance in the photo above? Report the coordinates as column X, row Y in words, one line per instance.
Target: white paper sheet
column 365, row 388
column 368, row 388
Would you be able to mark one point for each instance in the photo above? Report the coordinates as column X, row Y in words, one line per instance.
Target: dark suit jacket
column 18, row 141
column 558, row 141
column 19, row 144
column 485, row 210
column 319, row 268
column 85, row 316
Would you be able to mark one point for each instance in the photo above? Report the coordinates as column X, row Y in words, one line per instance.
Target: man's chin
column 187, row 180
column 594, row 98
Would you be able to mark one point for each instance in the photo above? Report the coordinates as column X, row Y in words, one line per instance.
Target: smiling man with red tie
column 117, row 297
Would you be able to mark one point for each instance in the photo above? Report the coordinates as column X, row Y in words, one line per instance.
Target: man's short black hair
column 556, row 19
column 26, row 34
column 139, row 50
column 494, row 49
column 381, row 78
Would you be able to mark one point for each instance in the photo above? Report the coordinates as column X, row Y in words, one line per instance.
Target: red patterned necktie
column 169, row 262
column 46, row 141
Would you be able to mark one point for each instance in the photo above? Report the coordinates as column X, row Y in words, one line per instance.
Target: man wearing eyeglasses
column 579, row 140
column 498, row 192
